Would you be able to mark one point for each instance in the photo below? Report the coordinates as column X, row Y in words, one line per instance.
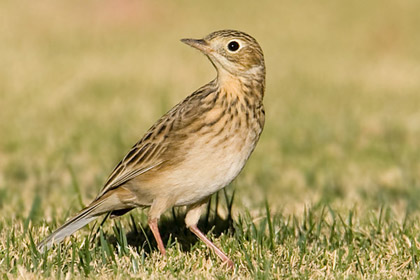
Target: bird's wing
column 133, row 165
column 147, row 154
column 143, row 156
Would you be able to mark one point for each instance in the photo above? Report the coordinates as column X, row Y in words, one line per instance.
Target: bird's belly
column 209, row 167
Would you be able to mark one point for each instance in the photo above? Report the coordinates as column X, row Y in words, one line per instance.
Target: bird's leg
column 153, row 224
column 158, row 206
column 210, row 244
column 191, row 220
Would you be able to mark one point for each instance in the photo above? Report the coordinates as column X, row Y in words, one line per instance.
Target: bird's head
column 232, row 51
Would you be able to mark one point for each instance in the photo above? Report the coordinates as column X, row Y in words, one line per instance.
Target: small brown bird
column 195, row 149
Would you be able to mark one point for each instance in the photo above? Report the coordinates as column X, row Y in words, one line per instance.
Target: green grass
column 320, row 243
column 332, row 190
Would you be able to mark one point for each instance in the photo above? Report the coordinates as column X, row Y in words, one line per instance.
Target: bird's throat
column 239, row 86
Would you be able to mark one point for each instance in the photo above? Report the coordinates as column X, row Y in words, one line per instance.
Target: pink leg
column 210, row 244
column 155, row 230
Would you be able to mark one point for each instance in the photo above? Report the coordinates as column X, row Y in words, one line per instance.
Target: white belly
column 209, row 169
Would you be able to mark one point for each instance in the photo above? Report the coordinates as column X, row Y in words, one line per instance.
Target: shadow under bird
column 195, row 149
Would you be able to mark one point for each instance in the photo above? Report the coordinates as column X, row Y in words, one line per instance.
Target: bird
column 194, row 150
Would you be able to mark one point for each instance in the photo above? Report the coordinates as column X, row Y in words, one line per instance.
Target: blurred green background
column 81, row 81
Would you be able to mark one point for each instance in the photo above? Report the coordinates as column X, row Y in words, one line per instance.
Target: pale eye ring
column 233, row 46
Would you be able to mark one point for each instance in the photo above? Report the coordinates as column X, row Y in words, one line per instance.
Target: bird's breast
column 216, row 154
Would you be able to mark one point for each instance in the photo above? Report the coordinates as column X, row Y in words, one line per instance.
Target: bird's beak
column 199, row 44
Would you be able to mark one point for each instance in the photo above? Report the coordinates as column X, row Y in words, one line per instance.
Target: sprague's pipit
column 195, row 149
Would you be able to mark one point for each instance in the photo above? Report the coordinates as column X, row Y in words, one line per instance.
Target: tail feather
column 84, row 217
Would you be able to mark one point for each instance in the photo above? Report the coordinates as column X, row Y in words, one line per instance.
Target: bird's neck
column 251, row 83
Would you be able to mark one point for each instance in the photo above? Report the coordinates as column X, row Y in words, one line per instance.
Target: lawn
column 332, row 190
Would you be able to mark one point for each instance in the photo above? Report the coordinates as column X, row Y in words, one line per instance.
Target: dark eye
column 233, row 46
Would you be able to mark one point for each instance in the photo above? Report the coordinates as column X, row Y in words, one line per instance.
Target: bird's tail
column 90, row 213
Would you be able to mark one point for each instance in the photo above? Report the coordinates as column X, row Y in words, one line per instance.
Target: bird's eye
column 233, row 46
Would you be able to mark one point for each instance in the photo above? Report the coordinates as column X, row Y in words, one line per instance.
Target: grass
column 332, row 190
column 321, row 243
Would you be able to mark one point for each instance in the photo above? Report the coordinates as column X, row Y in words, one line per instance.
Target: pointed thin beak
column 199, row 44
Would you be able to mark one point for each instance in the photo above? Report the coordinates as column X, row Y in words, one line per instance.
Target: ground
column 331, row 191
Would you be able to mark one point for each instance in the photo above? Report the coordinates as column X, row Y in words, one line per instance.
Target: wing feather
column 142, row 157
column 148, row 152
